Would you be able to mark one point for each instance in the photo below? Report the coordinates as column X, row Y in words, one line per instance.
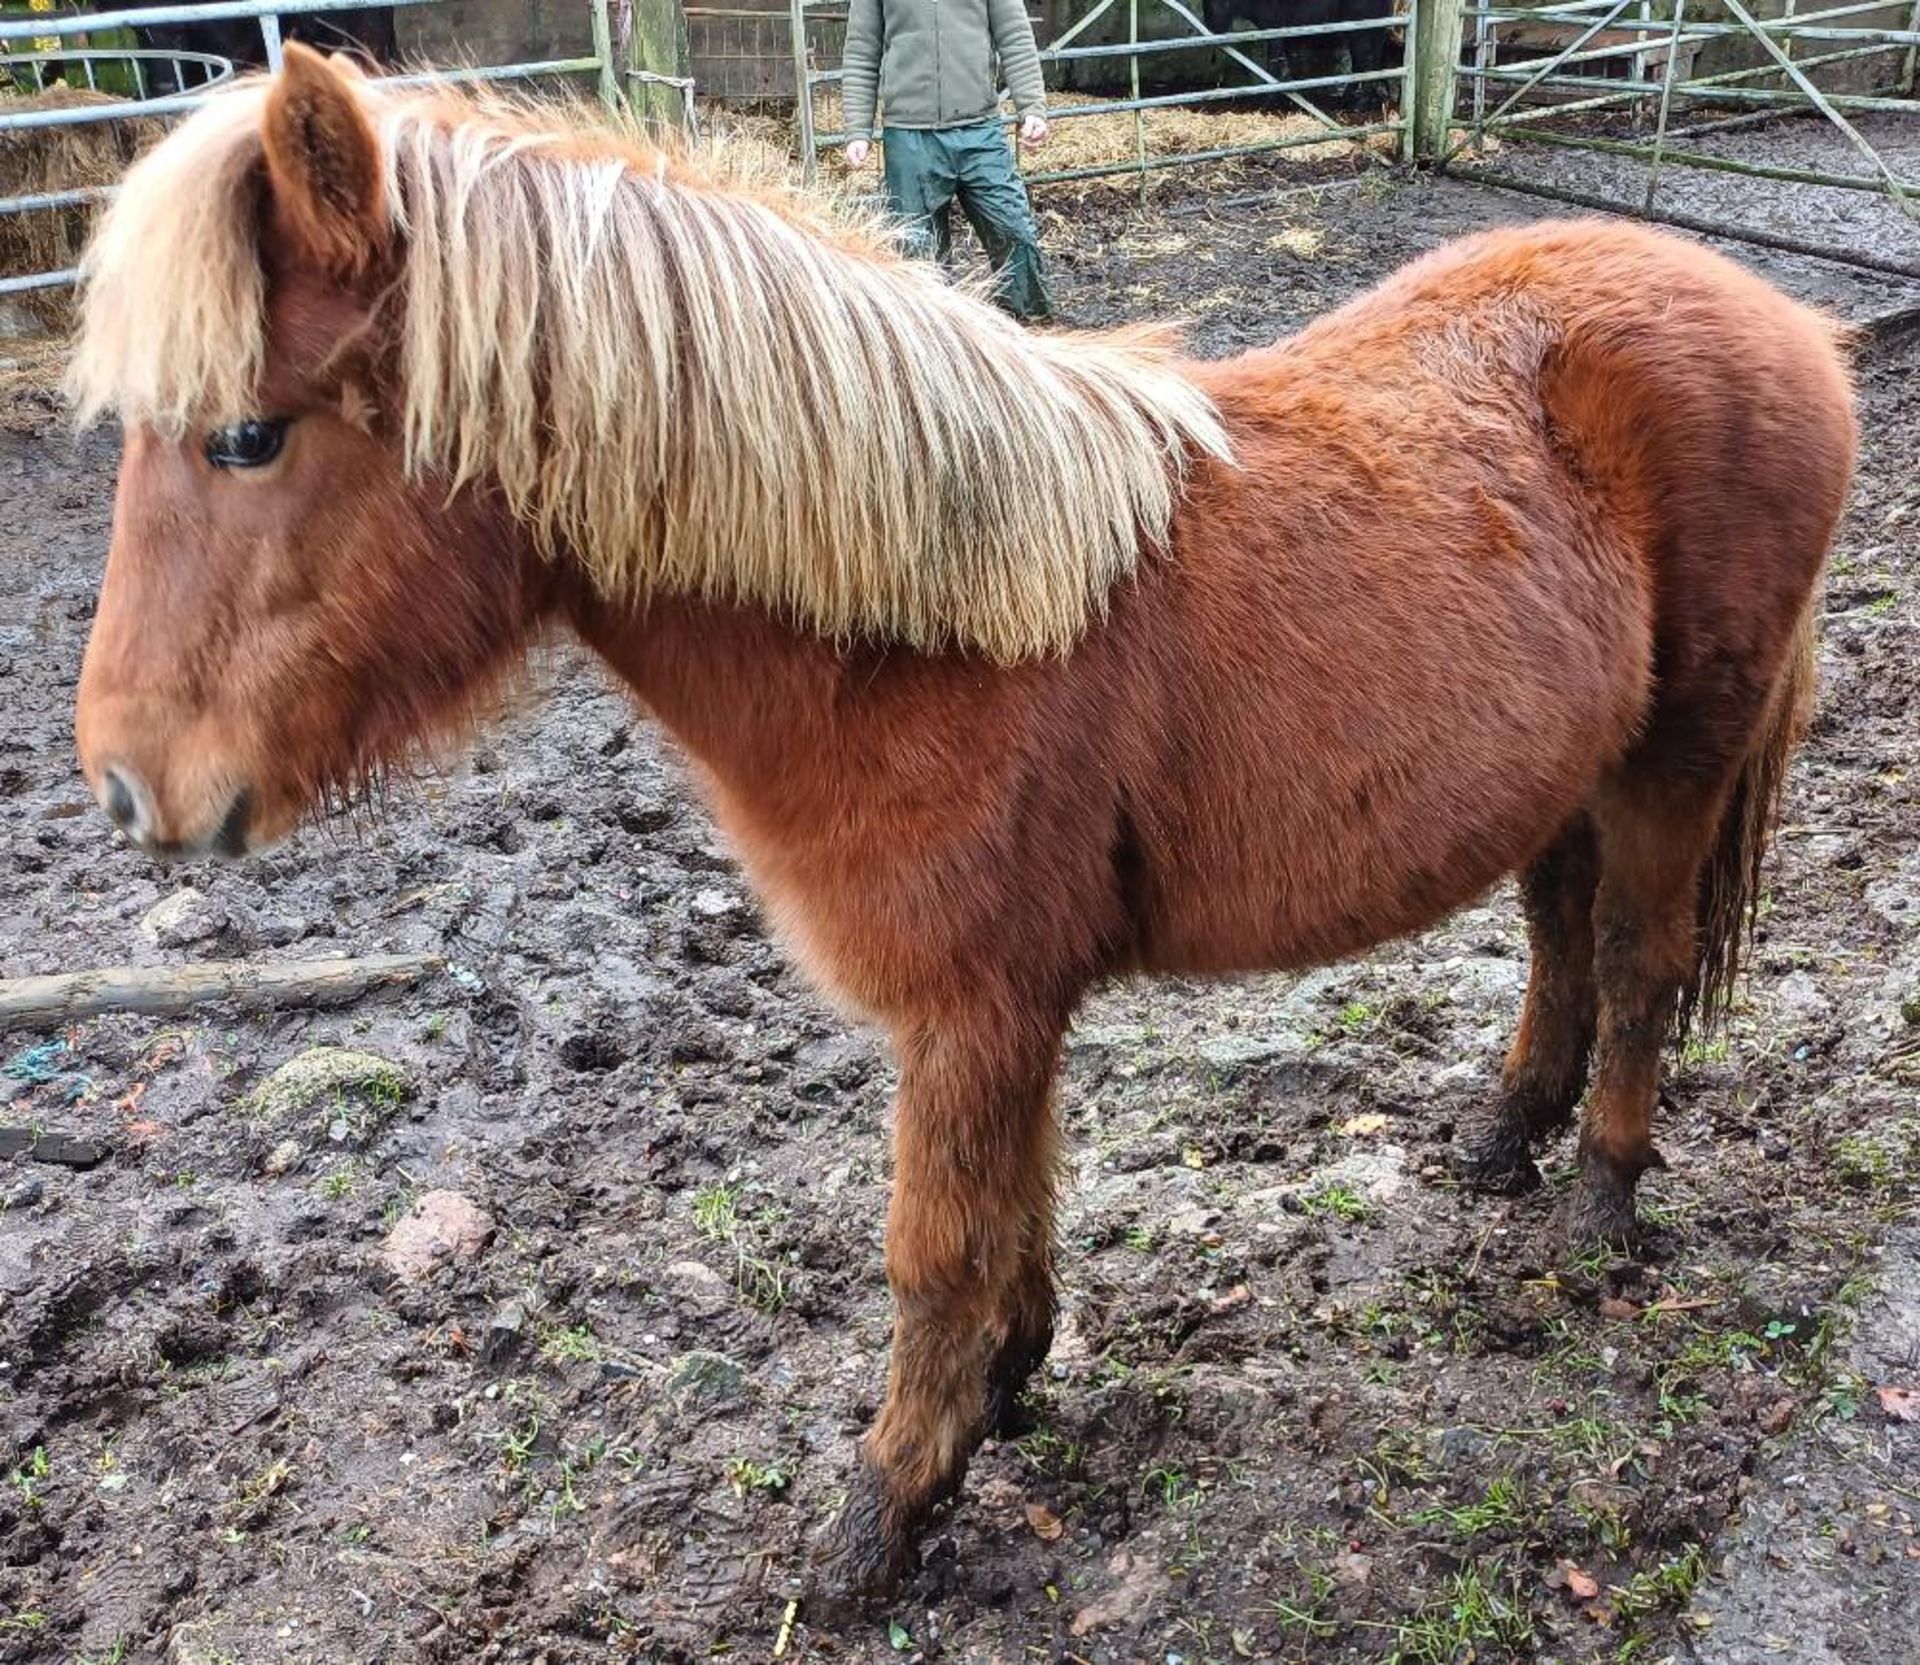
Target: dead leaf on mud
column 1045, row 1523
column 1902, row 1404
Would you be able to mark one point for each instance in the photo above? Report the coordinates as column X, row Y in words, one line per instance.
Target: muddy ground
column 1310, row 1401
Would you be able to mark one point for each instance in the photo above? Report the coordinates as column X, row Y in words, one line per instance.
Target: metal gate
column 1173, row 29
column 1622, row 79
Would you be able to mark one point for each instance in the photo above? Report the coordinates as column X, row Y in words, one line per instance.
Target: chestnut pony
column 1011, row 662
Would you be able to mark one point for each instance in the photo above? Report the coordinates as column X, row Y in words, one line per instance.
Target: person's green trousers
column 928, row 168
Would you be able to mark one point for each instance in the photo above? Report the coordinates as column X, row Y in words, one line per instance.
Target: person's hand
column 858, row 151
column 1033, row 131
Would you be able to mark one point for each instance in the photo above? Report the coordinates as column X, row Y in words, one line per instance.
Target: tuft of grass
column 747, row 1476
column 1307, row 1616
column 716, row 1213
column 717, row 1217
column 570, row 1344
column 29, row 1479
column 1338, row 1202
column 1503, row 1507
column 1050, row 1454
column 1471, row 1618
column 1665, row 1588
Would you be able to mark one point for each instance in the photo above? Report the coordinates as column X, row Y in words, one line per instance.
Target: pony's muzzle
column 129, row 804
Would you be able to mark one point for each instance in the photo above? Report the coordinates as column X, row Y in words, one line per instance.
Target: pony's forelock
column 680, row 379
column 173, row 301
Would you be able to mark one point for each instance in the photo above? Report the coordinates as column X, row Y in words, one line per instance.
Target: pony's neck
column 741, row 692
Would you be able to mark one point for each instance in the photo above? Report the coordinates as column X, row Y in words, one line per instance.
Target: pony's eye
column 246, row 444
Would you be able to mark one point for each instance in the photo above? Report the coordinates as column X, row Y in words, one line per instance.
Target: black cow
column 367, row 34
column 1308, row 57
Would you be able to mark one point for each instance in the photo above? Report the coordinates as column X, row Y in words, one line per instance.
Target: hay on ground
column 46, row 159
column 1108, row 139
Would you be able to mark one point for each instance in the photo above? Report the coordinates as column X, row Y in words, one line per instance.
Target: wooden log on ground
column 61, row 1149
column 44, row 1002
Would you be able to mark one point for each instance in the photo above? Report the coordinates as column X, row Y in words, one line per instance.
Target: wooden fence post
column 658, row 44
column 1434, row 41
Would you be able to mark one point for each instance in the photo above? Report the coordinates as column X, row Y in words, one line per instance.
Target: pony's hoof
column 1497, row 1158
column 1601, row 1216
column 860, row 1557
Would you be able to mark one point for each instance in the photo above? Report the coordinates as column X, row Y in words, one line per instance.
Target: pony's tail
column 1730, row 882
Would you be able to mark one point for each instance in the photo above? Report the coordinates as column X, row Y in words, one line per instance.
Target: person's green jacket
column 931, row 62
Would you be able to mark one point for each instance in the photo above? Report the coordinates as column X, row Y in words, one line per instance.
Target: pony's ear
column 324, row 170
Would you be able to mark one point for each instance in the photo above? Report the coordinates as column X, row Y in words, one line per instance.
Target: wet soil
column 1310, row 1400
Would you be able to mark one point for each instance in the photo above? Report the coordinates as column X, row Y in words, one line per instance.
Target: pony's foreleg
column 1653, row 837
column 1024, row 1331
column 968, row 1235
column 1546, row 1067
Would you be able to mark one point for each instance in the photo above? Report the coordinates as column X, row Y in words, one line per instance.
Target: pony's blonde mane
column 686, row 384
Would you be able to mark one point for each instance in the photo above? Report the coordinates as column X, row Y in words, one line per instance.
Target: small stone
column 27, row 1194
column 697, row 1275
column 713, row 904
column 442, row 1228
column 706, row 1378
column 183, row 918
column 1802, row 1000
column 1138, row 1585
column 504, row 1331
column 1352, row 1569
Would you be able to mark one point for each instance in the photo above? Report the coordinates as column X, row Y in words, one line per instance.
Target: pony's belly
column 1293, row 922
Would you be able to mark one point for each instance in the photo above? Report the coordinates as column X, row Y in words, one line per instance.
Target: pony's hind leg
column 1655, row 835
column 1546, row 1067
column 973, row 1186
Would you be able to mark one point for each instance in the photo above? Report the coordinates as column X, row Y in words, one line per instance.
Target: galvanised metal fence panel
column 1622, row 81
column 817, row 70
column 31, row 49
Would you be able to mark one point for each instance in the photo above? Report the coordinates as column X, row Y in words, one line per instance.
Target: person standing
column 931, row 66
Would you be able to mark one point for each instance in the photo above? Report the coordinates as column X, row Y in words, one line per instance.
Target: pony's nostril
column 231, row 838
column 123, row 807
